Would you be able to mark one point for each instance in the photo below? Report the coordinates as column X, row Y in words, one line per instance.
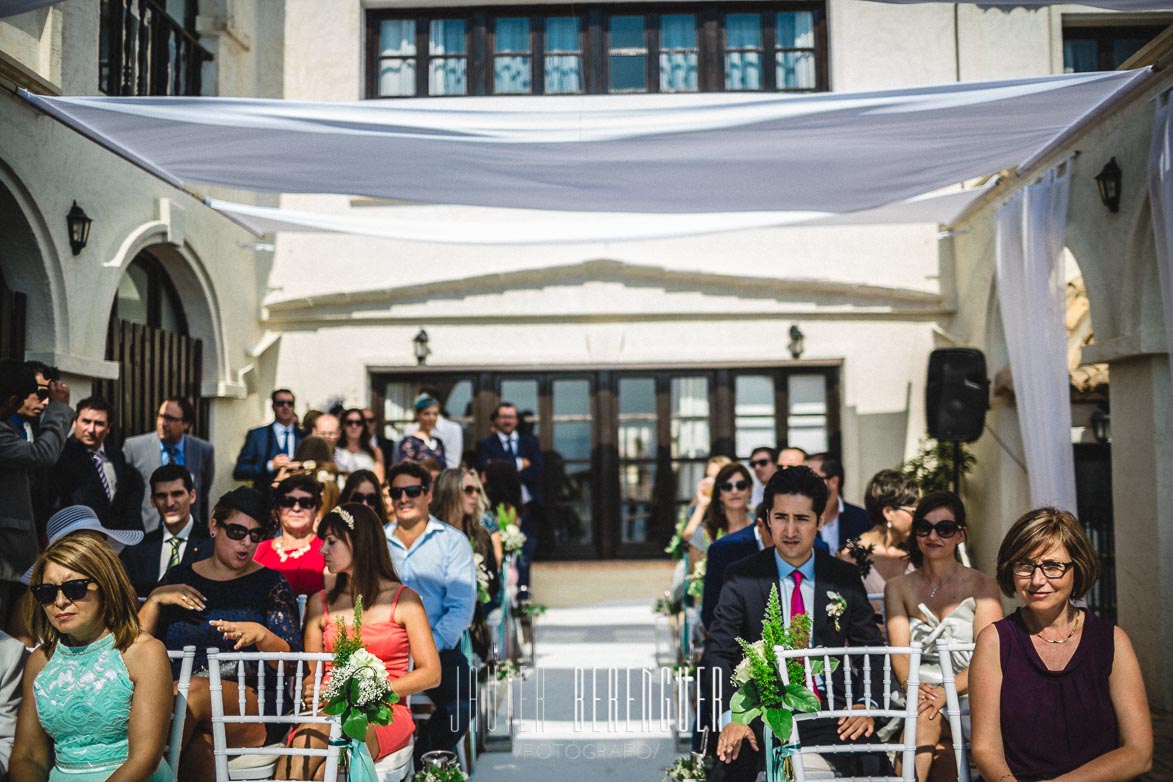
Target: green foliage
column 932, row 466
column 346, row 644
column 506, row 516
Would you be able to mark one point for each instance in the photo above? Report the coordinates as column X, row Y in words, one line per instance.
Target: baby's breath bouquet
column 696, row 579
column 482, row 578
column 760, row 689
column 358, row 691
column 512, row 538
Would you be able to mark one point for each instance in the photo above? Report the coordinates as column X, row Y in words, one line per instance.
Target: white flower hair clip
column 346, row 517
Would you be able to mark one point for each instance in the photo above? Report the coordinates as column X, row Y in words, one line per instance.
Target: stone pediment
column 602, row 288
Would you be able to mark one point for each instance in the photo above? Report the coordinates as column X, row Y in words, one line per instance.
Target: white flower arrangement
column 742, row 673
column 358, row 690
column 512, row 538
column 686, row 769
column 836, row 608
column 482, row 578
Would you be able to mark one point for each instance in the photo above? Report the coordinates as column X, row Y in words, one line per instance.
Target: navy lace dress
column 263, row 596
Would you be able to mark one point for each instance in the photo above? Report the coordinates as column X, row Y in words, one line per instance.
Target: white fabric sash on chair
column 1031, row 294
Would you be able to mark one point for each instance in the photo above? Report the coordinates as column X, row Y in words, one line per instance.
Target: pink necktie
column 797, row 606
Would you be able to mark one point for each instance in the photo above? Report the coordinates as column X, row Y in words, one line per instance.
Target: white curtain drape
column 1161, row 204
column 1031, row 294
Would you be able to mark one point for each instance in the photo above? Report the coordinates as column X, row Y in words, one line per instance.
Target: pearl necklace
column 1068, row 637
column 297, row 553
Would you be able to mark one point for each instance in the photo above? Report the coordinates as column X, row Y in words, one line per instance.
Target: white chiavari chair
column 260, row 762
column 186, row 657
column 840, row 692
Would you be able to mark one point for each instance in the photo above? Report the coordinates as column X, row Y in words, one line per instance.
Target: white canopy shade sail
column 832, row 153
column 491, row 226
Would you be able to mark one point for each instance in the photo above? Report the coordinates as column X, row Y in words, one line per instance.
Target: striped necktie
column 174, row 560
column 96, row 458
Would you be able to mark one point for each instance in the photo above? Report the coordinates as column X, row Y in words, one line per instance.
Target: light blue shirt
column 786, row 584
column 439, row 567
column 180, row 452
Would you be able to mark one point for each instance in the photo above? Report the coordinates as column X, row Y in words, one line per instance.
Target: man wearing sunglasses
column 19, row 456
column 435, row 560
column 270, row 447
column 762, row 459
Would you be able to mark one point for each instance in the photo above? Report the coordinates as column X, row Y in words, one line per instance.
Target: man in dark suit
column 796, row 497
column 172, row 443
column 180, row 538
column 508, row 444
column 842, row 521
column 88, row 473
column 270, row 447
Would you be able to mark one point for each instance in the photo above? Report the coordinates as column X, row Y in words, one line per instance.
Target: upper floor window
column 763, row 47
column 150, row 47
column 1104, row 48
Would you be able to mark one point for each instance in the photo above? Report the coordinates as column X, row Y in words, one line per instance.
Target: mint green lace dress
column 83, row 701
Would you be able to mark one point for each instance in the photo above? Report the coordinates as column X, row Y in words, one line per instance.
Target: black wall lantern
column 797, row 338
column 1101, row 422
column 79, row 228
column 420, row 345
column 1108, row 182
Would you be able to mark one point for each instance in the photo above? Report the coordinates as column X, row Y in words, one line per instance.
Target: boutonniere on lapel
column 836, row 608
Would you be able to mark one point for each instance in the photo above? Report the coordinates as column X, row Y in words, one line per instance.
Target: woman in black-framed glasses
column 229, row 601
column 940, row 600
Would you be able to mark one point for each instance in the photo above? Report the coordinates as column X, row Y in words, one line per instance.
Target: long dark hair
column 715, row 520
column 356, row 479
column 928, row 504
column 364, row 440
column 368, row 551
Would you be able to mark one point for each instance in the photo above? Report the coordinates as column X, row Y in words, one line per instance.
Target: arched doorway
column 148, row 338
column 12, row 322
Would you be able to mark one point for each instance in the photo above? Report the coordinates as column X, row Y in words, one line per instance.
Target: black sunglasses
column 760, row 462
column 73, row 590
column 309, row 503
column 469, row 490
column 410, row 491
column 371, row 500
column 734, row 486
column 353, row 422
column 240, row 532
column 283, row 403
column 42, row 393
column 945, row 529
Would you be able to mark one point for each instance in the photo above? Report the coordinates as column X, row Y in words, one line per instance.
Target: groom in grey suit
column 171, row 443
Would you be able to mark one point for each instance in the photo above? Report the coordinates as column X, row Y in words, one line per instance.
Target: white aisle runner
column 571, row 723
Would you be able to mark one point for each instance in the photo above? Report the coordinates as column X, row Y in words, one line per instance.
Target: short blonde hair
column 1044, row 528
column 95, row 559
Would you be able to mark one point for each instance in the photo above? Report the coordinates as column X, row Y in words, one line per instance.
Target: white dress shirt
column 830, row 531
column 280, row 432
column 165, row 552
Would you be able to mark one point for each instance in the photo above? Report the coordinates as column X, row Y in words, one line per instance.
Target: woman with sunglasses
column 728, row 511
column 394, row 628
column 423, row 443
column 941, row 600
column 95, row 687
column 231, row 602
column 353, row 450
column 294, row 551
column 363, row 486
column 1056, row 692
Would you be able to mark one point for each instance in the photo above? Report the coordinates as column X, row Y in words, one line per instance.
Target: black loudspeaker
column 957, row 394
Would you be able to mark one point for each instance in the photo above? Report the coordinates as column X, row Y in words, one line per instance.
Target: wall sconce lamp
column 1101, row 422
column 1108, row 183
column 420, row 344
column 79, row 228
column 797, row 338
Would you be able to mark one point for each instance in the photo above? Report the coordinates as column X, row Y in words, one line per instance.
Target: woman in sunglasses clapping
column 940, row 600
column 95, row 687
column 229, row 601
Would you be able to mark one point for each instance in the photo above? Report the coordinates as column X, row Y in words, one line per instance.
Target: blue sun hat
column 75, row 518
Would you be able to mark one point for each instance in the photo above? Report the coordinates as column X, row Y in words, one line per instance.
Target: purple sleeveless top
column 1056, row 721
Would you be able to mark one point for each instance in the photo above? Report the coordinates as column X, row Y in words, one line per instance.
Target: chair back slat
column 186, row 658
column 954, row 711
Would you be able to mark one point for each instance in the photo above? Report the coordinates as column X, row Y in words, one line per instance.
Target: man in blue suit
column 509, row 445
column 269, row 448
column 842, row 521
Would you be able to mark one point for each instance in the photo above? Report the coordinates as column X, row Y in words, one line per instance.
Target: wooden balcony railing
column 146, row 52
